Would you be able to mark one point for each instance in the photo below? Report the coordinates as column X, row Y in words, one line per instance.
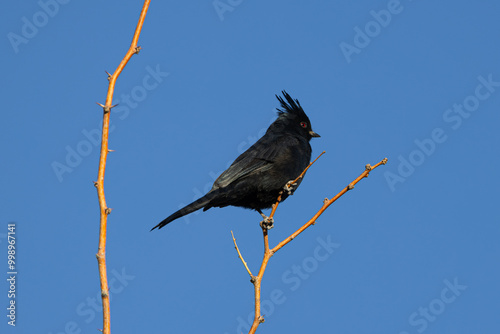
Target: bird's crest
column 290, row 105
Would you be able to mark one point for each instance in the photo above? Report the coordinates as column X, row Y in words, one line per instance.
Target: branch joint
column 109, row 75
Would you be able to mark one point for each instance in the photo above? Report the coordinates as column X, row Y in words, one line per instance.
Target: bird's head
column 291, row 117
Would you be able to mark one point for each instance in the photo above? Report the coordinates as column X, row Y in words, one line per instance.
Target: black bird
column 256, row 177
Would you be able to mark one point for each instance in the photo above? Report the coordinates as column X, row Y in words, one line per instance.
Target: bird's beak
column 313, row 134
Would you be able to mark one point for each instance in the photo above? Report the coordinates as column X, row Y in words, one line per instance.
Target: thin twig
column 326, row 204
column 305, row 170
column 99, row 184
column 278, row 200
column 256, row 280
column 241, row 257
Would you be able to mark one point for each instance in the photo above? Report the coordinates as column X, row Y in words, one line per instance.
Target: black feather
column 255, row 179
column 291, row 106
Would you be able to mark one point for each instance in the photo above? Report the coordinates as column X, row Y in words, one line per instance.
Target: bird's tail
column 196, row 205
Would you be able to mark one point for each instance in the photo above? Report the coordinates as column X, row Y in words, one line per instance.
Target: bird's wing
column 258, row 158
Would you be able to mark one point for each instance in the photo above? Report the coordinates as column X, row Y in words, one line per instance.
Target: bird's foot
column 267, row 223
column 290, row 187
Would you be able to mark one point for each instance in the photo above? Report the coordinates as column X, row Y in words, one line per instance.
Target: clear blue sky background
column 413, row 249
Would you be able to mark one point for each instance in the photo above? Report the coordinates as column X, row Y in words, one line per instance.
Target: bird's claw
column 267, row 223
column 290, row 187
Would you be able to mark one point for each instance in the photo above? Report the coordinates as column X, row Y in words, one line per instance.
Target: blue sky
column 412, row 249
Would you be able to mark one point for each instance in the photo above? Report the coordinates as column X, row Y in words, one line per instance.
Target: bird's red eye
column 303, row 124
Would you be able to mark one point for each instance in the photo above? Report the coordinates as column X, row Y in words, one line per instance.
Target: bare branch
column 268, row 253
column 241, row 257
column 99, row 184
column 326, row 204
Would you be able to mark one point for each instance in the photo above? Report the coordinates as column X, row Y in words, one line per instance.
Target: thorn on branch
column 109, row 109
column 110, row 150
column 109, row 75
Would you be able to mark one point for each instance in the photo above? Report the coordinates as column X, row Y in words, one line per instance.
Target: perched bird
column 256, row 177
